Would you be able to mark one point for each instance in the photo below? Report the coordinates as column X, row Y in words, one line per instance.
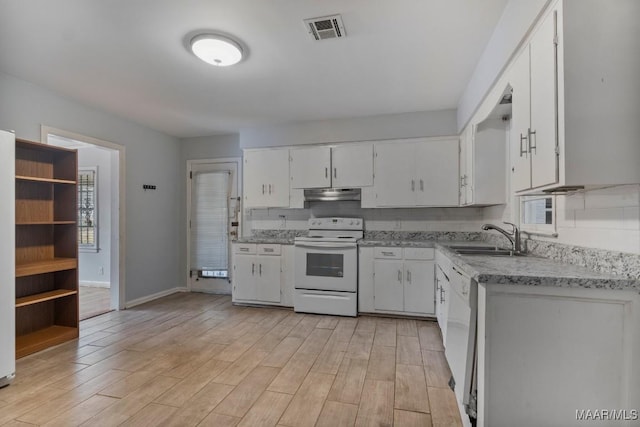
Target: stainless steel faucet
column 513, row 236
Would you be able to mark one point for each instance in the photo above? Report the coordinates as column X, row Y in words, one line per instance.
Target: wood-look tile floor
column 94, row 301
column 195, row 359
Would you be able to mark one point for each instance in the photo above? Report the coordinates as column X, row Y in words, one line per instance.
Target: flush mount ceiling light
column 216, row 50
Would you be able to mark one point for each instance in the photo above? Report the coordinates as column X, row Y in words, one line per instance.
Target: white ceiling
column 129, row 57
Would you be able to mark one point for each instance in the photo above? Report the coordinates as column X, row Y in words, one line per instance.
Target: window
column 538, row 214
column 88, row 209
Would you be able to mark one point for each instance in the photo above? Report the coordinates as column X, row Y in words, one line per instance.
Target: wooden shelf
column 45, row 222
column 45, row 296
column 45, row 266
column 44, row 338
column 49, row 180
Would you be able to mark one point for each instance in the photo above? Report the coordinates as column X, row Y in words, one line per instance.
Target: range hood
column 331, row 194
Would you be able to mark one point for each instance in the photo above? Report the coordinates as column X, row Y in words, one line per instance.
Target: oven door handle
column 326, row 245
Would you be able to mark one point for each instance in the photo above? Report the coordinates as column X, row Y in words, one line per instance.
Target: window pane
column 87, row 215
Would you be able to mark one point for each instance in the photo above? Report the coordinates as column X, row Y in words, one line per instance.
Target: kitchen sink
column 483, row 250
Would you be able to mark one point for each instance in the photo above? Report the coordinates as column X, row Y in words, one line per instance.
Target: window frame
column 90, row 247
column 540, row 229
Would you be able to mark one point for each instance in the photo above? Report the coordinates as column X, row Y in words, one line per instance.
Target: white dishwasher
column 461, row 334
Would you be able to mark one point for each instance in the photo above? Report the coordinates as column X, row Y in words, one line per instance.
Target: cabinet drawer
column 244, row 248
column 419, row 253
column 269, row 249
column 388, row 253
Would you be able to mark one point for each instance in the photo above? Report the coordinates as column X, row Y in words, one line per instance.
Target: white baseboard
column 92, row 284
column 142, row 300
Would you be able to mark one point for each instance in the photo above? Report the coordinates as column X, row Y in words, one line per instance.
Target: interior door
column 543, row 143
column 213, row 217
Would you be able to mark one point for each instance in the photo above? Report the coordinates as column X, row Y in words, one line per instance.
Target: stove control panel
column 334, row 223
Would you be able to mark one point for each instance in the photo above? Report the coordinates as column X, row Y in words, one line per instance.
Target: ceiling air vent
column 325, row 27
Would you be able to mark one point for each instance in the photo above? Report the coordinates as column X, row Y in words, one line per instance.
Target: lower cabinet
column 257, row 273
column 442, row 298
column 397, row 280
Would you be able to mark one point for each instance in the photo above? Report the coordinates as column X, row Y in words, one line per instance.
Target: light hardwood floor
column 195, row 359
column 94, row 301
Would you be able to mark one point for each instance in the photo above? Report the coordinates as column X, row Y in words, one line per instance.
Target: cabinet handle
column 413, row 185
column 409, row 276
column 268, row 249
column 421, row 185
column 400, row 276
column 335, row 172
column 253, row 268
column 326, row 172
column 523, row 138
column 387, row 253
column 269, row 188
column 244, row 249
column 262, row 188
column 531, row 145
column 260, row 269
column 441, row 295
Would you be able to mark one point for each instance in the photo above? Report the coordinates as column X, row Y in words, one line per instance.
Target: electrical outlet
column 101, row 271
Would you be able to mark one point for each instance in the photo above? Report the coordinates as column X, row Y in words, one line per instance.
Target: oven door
column 326, row 266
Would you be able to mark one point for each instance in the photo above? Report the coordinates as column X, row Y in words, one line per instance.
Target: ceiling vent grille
column 325, row 27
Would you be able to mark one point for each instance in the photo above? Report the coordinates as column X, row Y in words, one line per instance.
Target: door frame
column 189, row 168
column 118, row 222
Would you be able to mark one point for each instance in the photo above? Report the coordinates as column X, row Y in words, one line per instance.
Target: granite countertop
column 266, row 240
column 519, row 270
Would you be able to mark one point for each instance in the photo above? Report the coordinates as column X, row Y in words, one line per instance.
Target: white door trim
column 118, row 230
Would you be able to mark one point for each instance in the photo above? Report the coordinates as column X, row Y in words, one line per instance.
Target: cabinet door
column 437, row 182
column 465, row 147
column 395, row 180
column 268, row 278
column 266, row 178
column 244, row 281
column 419, row 287
column 388, row 290
column 311, row 167
column 352, row 166
column 520, row 111
column 542, row 146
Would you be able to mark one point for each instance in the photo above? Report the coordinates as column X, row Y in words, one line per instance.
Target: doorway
column 213, row 215
column 100, row 180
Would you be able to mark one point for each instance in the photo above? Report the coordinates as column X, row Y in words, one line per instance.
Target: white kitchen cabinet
column 417, row 172
column 342, row 166
column 266, row 178
column 396, row 281
column 483, row 149
column 256, row 273
column 575, row 103
column 570, row 349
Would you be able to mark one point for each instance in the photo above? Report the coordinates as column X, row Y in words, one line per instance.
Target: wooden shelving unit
column 46, row 246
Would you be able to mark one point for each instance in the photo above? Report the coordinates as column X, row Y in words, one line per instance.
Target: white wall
column 516, row 21
column 152, row 250
column 414, row 219
column 95, row 266
column 390, row 126
column 603, row 219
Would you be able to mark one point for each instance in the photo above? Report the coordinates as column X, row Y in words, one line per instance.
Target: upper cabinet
column 345, row 166
column 575, row 99
column 266, row 178
column 417, row 172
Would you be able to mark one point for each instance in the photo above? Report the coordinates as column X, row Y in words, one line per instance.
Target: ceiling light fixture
column 216, row 50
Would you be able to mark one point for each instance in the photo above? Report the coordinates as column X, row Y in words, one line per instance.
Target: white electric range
column 326, row 267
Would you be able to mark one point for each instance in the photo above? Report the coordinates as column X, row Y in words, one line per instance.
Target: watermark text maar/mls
column 607, row 414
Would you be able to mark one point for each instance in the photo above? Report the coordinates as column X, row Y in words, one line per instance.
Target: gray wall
column 152, row 250
column 390, row 126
